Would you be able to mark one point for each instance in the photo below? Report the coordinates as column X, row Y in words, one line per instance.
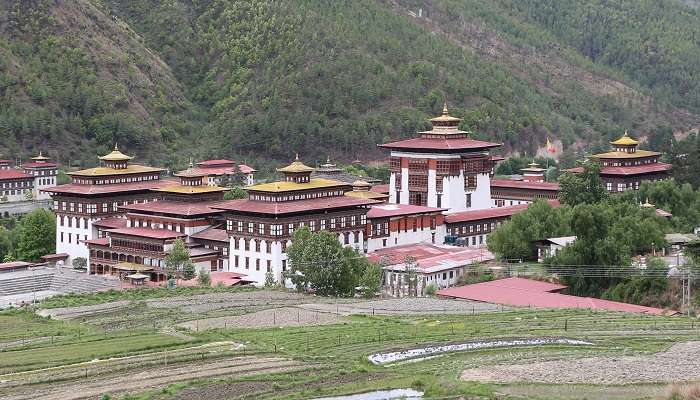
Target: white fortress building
column 442, row 168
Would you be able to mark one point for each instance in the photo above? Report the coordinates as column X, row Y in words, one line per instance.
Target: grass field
column 326, row 359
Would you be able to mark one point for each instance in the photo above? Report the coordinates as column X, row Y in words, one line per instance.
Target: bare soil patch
column 136, row 381
column 680, row 363
column 407, row 306
column 274, row 317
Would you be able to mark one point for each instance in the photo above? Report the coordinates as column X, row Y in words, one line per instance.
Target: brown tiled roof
column 497, row 212
column 73, row 188
column 149, row 233
column 395, row 210
column 13, row 174
column 175, row 207
column 629, row 170
column 213, row 234
column 508, row 183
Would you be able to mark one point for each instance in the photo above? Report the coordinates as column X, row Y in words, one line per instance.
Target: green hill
column 261, row 80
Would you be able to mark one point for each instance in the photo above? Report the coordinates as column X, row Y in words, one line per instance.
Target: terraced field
column 266, row 344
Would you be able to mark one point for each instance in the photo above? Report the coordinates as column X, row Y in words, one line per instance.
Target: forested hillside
column 263, row 79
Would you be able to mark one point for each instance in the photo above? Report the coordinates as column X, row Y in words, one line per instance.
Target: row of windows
column 17, row 184
column 92, row 208
column 146, row 223
column 68, row 221
column 629, row 163
column 14, row 192
column 129, row 179
column 46, row 181
column 301, row 196
column 70, row 237
column 246, row 264
column 472, row 228
column 288, row 229
column 131, row 244
column 224, row 249
column 40, row 172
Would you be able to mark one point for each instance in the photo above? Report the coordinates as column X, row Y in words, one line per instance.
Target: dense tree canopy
column 582, row 188
column 225, row 78
column 36, row 235
column 320, row 263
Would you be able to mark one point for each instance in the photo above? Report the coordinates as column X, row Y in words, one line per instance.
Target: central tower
column 441, row 168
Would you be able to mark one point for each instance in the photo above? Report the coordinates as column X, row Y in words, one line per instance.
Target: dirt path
column 135, row 381
column 680, row 363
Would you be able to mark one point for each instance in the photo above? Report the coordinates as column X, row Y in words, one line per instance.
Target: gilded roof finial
column 40, row 155
column 328, row 160
column 116, row 146
column 444, row 108
column 296, row 158
column 191, row 162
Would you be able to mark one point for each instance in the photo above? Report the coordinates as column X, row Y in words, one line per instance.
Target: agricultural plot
column 268, row 344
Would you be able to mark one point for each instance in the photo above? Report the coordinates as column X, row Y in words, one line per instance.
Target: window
column 257, row 264
column 250, row 227
column 468, row 202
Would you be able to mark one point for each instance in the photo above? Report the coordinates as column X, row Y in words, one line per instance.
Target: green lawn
column 61, row 354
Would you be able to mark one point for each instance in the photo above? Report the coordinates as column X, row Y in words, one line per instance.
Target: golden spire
column 296, row 157
column 444, row 108
column 191, row 162
column 116, row 146
column 328, row 159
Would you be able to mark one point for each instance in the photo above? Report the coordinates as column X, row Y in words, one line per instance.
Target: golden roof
column 445, row 117
column 366, row 194
column 623, row 154
column 106, row 171
column 40, row 157
column 181, row 189
column 116, row 155
column 360, row 183
column 625, row 140
column 282, row 186
column 295, row 167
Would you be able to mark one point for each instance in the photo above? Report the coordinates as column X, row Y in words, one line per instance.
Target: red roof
column 54, row 256
column 73, row 188
column 498, row 212
column 110, row 223
column 521, row 292
column 39, row 165
column 14, row 265
column 629, row 170
column 396, row 210
column 149, row 233
column 296, row 206
column 175, row 207
column 246, row 169
column 214, row 234
column 430, row 258
column 445, row 144
column 509, row 183
column 218, row 163
column 99, row 242
column 13, row 174
column 383, row 189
